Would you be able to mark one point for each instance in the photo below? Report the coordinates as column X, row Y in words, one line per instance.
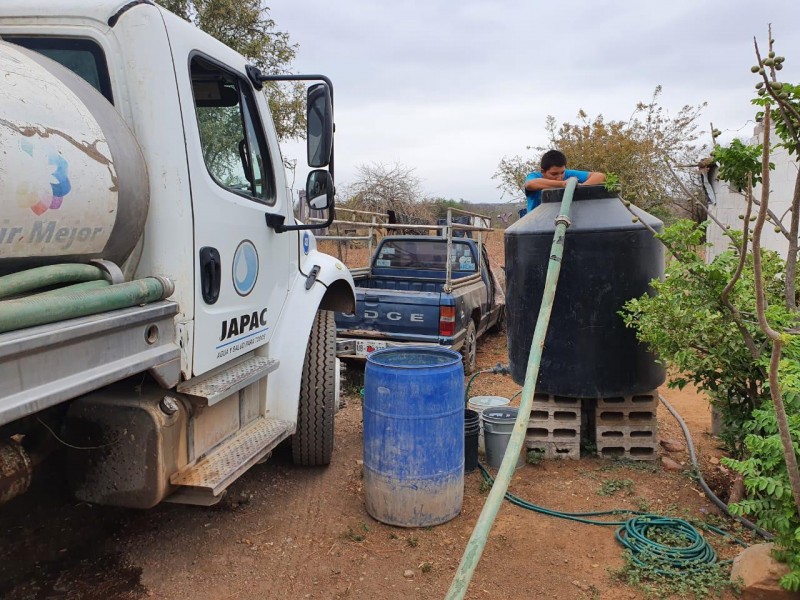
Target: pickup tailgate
column 395, row 314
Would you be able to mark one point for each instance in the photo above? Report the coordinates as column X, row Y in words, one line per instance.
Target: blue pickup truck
column 411, row 295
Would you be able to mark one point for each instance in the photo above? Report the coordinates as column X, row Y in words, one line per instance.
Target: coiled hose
column 641, row 535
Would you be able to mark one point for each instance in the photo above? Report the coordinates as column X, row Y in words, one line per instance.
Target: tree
column 649, row 153
column 380, row 188
column 245, row 26
column 733, row 326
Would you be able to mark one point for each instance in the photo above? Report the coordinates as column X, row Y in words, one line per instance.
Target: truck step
column 220, row 384
column 220, row 467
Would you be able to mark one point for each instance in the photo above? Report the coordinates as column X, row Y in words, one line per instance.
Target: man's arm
column 595, row 178
column 540, row 183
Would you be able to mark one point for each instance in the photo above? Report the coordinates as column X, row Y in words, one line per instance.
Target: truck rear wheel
column 469, row 350
column 312, row 443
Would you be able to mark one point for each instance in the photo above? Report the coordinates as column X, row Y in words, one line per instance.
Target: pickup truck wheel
column 469, row 350
column 312, row 443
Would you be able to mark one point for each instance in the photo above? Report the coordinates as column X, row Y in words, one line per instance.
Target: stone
column 759, row 573
column 673, row 445
column 737, row 490
column 408, row 574
column 670, row 465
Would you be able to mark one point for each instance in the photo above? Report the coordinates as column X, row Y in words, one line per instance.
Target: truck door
column 241, row 268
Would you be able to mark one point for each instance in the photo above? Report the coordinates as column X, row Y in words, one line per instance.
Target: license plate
column 365, row 348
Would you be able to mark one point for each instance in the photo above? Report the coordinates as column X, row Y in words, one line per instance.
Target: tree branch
column 777, row 343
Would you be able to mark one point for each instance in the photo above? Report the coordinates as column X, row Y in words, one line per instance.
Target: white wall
column 726, row 204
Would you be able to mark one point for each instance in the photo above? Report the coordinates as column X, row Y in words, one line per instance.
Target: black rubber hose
column 711, row 495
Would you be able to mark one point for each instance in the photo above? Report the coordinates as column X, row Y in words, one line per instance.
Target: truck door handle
column 210, row 274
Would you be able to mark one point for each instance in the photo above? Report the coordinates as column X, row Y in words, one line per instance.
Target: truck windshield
column 425, row 255
column 81, row 56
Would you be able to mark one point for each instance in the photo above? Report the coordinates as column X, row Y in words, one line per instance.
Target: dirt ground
column 289, row 532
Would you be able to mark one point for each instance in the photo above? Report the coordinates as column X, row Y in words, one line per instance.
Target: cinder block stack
column 555, row 426
column 626, row 427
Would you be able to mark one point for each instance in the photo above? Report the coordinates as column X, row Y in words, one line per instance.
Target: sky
column 450, row 88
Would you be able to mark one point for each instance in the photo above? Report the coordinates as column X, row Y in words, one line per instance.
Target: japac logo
column 245, row 268
column 48, row 181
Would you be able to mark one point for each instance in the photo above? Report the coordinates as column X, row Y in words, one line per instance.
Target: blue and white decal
column 245, row 268
column 306, row 242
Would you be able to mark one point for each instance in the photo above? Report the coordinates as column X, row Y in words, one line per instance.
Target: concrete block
column 629, row 451
column 556, row 412
column 624, row 416
column 635, row 439
column 634, row 402
column 557, row 433
column 555, row 449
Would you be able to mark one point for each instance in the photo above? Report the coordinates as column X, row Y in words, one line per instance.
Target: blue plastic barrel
column 414, row 435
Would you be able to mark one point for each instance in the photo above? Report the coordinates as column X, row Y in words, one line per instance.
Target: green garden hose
column 644, row 536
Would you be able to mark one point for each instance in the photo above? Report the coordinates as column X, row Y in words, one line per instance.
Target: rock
column 673, row 445
column 713, row 460
column 408, row 574
column 737, row 489
column 581, row 585
column 670, row 465
column 759, row 574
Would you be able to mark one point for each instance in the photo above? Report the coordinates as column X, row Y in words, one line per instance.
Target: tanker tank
column 73, row 181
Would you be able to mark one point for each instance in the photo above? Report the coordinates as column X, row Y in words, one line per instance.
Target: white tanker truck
column 163, row 317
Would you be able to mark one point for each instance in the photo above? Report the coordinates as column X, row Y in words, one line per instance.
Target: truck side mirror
column 319, row 125
column 319, row 190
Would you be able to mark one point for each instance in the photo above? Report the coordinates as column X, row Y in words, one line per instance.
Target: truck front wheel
column 469, row 350
column 312, row 443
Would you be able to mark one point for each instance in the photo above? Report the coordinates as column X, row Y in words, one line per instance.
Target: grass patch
column 610, row 487
column 357, row 535
column 699, row 581
column 627, row 463
column 534, row 456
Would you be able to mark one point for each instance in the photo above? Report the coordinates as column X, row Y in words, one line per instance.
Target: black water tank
column 608, row 259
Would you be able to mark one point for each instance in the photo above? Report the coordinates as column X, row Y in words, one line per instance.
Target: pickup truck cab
column 416, row 292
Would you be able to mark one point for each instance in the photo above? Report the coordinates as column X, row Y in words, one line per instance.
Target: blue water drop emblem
column 306, row 243
column 245, row 268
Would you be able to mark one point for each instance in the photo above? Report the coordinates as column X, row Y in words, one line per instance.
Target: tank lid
column 594, row 209
column 582, row 192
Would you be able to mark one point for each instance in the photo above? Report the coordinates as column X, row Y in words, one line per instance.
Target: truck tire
column 469, row 350
column 312, row 443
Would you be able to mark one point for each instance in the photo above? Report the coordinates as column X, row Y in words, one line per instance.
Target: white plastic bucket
column 481, row 403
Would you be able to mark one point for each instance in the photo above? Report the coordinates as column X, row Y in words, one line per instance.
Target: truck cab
column 211, row 212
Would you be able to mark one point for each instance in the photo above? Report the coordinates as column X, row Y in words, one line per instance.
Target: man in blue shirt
column 554, row 174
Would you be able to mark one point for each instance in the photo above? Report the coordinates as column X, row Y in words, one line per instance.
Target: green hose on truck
column 477, row 541
column 90, row 295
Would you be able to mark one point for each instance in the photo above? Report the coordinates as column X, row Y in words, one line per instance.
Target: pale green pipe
column 474, row 549
column 42, row 277
column 38, row 310
column 77, row 287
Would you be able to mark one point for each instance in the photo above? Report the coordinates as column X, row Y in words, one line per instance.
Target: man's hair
column 553, row 158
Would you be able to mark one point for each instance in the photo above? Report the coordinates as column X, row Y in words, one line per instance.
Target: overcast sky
column 449, row 88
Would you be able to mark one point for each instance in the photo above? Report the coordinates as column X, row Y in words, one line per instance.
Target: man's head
column 554, row 164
